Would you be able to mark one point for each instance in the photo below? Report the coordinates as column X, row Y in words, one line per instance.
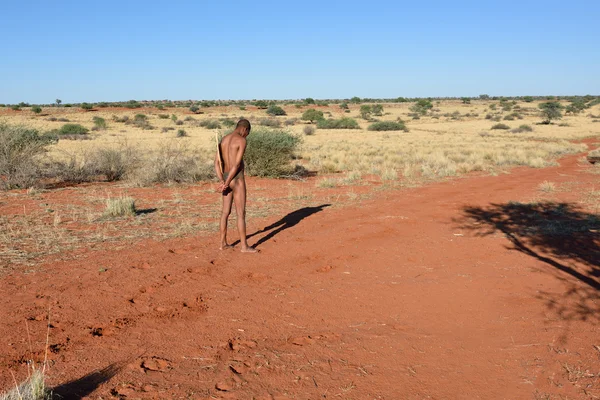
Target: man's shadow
column 284, row 223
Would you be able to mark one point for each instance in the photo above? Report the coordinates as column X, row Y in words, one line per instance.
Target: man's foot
column 225, row 247
column 249, row 249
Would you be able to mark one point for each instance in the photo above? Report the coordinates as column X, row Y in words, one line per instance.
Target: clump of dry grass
column 120, row 207
column 547, row 187
column 34, row 388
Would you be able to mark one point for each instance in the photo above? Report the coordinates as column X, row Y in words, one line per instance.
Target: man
column 230, row 171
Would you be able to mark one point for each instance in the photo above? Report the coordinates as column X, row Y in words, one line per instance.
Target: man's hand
column 222, row 187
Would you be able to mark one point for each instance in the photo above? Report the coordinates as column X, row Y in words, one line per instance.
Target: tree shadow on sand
column 562, row 236
column 284, row 223
column 86, row 385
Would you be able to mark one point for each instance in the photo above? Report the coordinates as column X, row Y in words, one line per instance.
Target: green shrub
column 421, row 106
column 388, row 126
column 275, row 110
column 344, row 106
column 378, row 110
column 309, row 100
column 102, row 104
column 550, row 110
column 181, row 133
column 15, row 107
column 36, row 109
column 355, row 100
column 366, row 111
column 99, row 123
column 342, row 123
column 210, row 124
column 466, row 100
column 269, row 152
column 312, row 115
column 527, row 99
column 86, row 106
column 194, row 109
column 72, row 129
column 163, row 116
column 261, row 104
column 228, row 122
column 20, row 147
column 141, row 121
column 160, row 107
column 243, row 108
column 132, row 104
column 500, row 126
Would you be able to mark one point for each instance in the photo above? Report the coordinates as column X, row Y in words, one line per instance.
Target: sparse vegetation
column 36, row 109
column 500, row 126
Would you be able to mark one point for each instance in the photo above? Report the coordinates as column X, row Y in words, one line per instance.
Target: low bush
column 209, row 124
column 182, row 133
column 270, row 151
column 522, row 128
column 120, row 207
column 378, row 110
column 500, row 126
column 312, row 115
column 163, row 116
column 309, row 130
column 71, row 130
column 113, row 164
column 20, row 149
column 99, row 123
column 141, row 121
column 270, row 122
column 290, row 122
column 194, row 109
column 388, row 126
column 342, row 123
column 172, row 163
column 87, row 106
column 275, row 111
column 36, row 109
column 366, row 111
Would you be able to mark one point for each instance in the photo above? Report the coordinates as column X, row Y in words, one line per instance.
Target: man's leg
column 239, row 196
column 227, row 200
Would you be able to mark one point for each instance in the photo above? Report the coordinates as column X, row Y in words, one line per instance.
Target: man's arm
column 218, row 164
column 239, row 156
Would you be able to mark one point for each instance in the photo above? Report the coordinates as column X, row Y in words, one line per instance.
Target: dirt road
column 445, row 292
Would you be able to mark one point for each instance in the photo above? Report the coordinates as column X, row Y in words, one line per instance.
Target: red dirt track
column 405, row 296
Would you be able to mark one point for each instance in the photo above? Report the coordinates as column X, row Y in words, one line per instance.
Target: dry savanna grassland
column 327, row 150
column 82, row 183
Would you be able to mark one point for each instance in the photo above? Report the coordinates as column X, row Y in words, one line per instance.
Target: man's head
column 243, row 127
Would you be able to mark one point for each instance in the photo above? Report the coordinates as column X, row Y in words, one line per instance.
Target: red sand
column 400, row 297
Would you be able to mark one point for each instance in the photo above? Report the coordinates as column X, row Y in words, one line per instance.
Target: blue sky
column 145, row 50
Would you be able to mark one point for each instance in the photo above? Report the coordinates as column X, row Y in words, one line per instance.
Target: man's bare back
column 229, row 166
